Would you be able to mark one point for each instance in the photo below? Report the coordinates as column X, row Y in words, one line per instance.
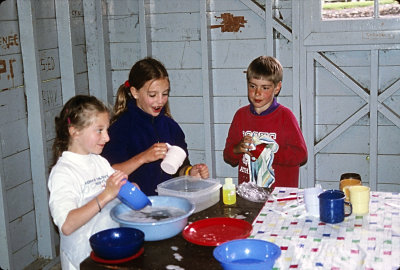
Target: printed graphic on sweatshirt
column 95, row 183
column 258, row 167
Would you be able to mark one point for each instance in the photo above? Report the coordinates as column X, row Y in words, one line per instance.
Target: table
column 177, row 253
column 368, row 242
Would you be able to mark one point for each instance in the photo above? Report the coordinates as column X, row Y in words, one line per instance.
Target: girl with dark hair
column 142, row 125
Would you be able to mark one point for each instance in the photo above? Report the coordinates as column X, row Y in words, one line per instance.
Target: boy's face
column 261, row 93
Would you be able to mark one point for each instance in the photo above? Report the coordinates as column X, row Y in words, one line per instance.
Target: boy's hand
column 243, row 146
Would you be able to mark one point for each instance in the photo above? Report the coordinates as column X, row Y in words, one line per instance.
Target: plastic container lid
column 203, row 193
column 191, row 186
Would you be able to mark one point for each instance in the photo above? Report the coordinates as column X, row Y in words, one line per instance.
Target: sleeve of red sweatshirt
column 234, row 137
column 293, row 152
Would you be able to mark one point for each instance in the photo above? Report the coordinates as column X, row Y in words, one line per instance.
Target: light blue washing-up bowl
column 161, row 229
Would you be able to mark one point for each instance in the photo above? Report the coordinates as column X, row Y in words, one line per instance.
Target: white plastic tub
column 202, row 193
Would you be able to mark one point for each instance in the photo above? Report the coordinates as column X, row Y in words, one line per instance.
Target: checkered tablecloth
column 367, row 242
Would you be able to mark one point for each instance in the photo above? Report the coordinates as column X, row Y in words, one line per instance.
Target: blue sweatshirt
column 134, row 132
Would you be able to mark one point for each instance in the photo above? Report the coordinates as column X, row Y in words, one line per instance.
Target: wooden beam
column 36, row 126
column 389, row 114
column 373, row 120
column 341, row 128
column 5, row 241
column 308, row 130
column 342, row 76
column 282, row 29
column 277, row 24
column 145, row 42
column 256, row 8
column 208, row 107
column 65, row 49
column 297, row 98
column 269, row 30
column 296, row 61
column 389, row 91
column 97, row 52
column 352, row 38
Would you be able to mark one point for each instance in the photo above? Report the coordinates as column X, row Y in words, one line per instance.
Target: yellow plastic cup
column 359, row 198
column 347, row 183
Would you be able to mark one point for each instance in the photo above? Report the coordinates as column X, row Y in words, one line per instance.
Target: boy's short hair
column 265, row 67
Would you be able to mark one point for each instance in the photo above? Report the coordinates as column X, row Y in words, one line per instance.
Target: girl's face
column 90, row 139
column 152, row 97
column 261, row 93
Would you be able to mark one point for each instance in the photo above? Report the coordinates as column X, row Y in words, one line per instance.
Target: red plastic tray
column 101, row 260
column 215, row 231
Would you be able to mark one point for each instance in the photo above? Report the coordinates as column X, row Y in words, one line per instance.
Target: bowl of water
column 249, row 254
column 163, row 219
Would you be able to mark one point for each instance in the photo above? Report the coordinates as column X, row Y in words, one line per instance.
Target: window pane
column 358, row 9
column 347, row 9
column 389, row 9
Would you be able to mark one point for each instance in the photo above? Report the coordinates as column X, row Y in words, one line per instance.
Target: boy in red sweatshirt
column 264, row 138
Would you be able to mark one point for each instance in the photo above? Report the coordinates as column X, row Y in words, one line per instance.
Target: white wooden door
column 351, row 91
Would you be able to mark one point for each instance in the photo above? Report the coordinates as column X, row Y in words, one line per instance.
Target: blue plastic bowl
column 247, row 254
column 116, row 243
column 162, row 229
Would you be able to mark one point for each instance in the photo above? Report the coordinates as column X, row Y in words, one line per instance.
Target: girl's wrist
column 103, row 198
column 140, row 159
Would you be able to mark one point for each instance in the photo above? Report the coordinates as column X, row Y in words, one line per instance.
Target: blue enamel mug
column 332, row 206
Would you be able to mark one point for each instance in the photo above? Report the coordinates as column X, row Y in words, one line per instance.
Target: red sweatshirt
column 281, row 125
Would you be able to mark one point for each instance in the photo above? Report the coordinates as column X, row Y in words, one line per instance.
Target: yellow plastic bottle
column 229, row 192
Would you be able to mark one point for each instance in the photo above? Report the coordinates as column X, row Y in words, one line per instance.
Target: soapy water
column 151, row 214
column 174, row 267
column 250, row 191
column 178, row 257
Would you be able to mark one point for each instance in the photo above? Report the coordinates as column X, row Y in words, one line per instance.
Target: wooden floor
column 56, row 267
column 42, row 264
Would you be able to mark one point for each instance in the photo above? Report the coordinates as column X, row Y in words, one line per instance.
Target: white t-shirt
column 75, row 180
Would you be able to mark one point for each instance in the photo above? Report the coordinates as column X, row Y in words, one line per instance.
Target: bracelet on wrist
column 98, row 204
column 187, row 171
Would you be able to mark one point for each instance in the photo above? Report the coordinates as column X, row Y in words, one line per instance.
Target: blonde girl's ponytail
column 61, row 141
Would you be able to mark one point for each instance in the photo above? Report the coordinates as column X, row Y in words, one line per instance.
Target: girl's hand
column 155, row 152
column 199, row 170
column 243, row 146
column 114, row 183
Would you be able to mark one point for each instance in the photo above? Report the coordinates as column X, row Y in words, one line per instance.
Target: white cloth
column 261, row 169
column 75, row 180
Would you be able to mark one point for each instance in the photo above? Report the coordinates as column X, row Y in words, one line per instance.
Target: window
column 356, row 9
column 374, row 29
